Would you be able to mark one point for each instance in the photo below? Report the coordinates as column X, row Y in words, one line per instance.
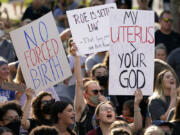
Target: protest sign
column 131, row 52
column 41, row 53
column 89, row 28
column 13, row 86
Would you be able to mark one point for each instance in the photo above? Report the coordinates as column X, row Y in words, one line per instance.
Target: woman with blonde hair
column 164, row 96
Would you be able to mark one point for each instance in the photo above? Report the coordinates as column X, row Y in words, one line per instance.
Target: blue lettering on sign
column 40, row 75
column 32, row 38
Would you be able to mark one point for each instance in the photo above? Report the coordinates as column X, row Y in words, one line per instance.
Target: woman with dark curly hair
column 5, row 131
column 10, row 116
column 41, row 105
column 44, row 130
column 63, row 115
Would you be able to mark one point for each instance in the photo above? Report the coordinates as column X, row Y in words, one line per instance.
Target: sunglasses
column 45, row 102
column 98, row 91
column 168, row 20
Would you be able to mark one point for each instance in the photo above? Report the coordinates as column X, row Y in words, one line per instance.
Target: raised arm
column 79, row 100
column 137, row 112
column 26, row 109
column 172, row 104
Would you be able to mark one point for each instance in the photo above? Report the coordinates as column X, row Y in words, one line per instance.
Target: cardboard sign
column 131, row 52
column 89, row 28
column 13, row 86
column 41, row 53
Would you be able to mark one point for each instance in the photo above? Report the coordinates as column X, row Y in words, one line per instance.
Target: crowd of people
column 81, row 105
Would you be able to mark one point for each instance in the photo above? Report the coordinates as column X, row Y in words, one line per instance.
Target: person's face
column 168, row 80
column 100, row 71
column 94, row 89
column 143, row 4
column 45, row 99
column 7, row 133
column 125, row 111
column 68, row 115
column 10, row 116
column 166, row 22
column 106, row 114
column 161, row 54
column 4, row 72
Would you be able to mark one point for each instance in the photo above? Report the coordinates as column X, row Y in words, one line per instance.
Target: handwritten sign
column 131, row 52
column 41, row 53
column 89, row 28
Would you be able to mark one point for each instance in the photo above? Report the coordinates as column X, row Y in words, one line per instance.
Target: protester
column 143, row 5
column 41, row 111
column 160, row 52
column 93, row 60
column 100, row 73
column 105, row 115
column 164, row 96
column 44, row 130
column 5, row 131
column 6, row 47
column 166, row 126
column 87, row 97
column 10, row 116
column 35, row 10
column 120, row 128
column 60, row 15
column 5, row 95
column 166, row 35
column 160, row 66
column 63, row 116
column 128, row 111
column 174, row 61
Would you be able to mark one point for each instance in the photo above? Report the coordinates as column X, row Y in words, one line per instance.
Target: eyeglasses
column 107, row 109
column 168, row 20
column 45, row 102
column 98, row 91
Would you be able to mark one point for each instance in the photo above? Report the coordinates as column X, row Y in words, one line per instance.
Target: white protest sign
column 90, row 28
column 41, row 53
column 131, row 52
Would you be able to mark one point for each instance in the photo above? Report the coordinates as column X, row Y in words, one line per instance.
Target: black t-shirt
column 176, row 130
column 34, row 123
column 171, row 41
column 33, row 14
column 84, row 126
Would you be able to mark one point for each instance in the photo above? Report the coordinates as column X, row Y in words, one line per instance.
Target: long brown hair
column 19, row 76
column 176, row 116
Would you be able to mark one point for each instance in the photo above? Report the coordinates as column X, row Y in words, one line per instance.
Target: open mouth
column 172, row 82
column 72, row 118
column 109, row 116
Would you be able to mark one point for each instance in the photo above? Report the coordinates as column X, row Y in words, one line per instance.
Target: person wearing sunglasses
column 87, row 97
column 166, row 35
column 41, row 110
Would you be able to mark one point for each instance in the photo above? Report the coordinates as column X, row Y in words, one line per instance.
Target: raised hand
column 29, row 93
column 138, row 97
